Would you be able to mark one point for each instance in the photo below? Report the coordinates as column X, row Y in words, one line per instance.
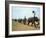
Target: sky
column 21, row 12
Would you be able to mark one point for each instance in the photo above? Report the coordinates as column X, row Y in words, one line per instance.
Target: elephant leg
column 31, row 24
column 28, row 23
column 35, row 25
column 24, row 23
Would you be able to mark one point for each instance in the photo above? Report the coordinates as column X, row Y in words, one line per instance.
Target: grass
column 16, row 26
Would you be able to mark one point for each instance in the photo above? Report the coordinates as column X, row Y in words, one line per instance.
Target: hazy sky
column 20, row 12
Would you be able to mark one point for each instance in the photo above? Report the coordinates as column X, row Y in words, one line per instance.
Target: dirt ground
column 16, row 26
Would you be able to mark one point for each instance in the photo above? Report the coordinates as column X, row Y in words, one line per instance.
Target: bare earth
column 21, row 27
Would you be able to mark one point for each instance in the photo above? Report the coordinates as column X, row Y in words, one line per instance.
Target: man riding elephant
column 33, row 20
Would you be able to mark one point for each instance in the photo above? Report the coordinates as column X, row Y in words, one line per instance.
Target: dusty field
column 21, row 27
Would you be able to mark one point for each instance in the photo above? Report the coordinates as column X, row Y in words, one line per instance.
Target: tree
column 24, row 21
